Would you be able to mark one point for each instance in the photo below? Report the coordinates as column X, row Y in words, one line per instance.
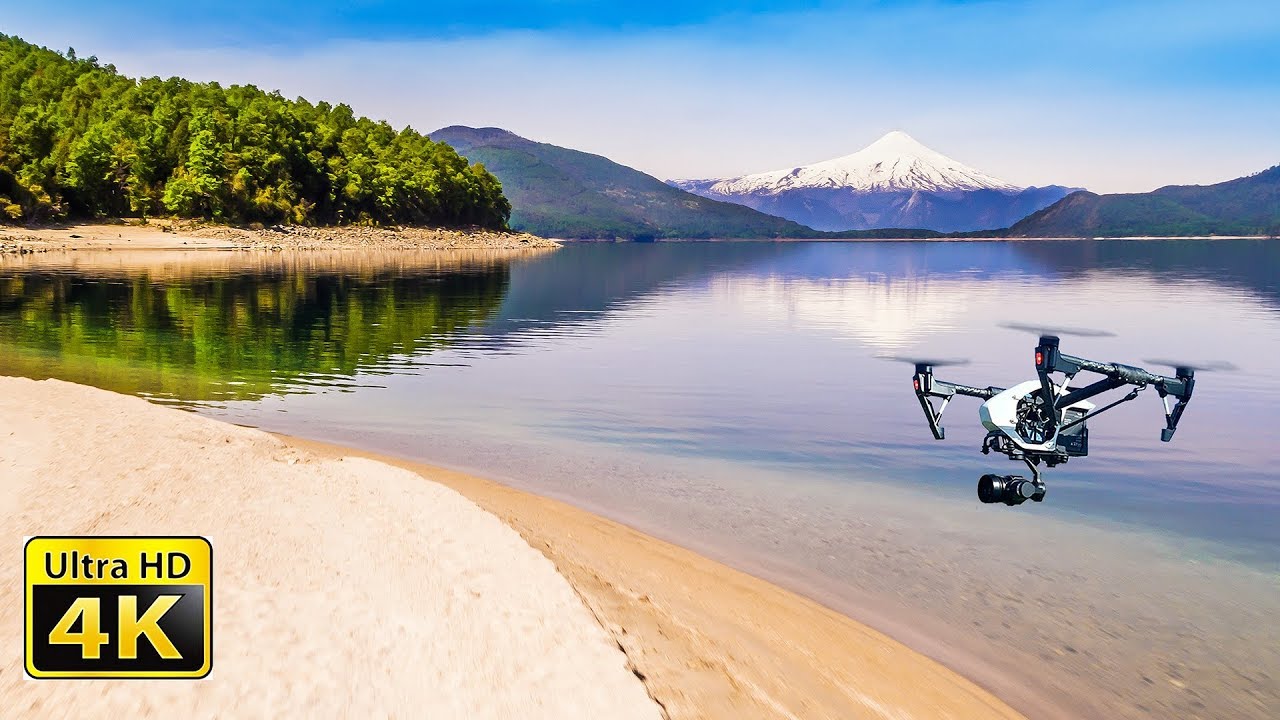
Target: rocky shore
column 185, row 235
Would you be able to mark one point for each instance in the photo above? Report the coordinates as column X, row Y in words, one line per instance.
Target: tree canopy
column 78, row 139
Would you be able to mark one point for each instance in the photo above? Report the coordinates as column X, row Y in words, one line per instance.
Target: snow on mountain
column 893, row 183
column 894, row 162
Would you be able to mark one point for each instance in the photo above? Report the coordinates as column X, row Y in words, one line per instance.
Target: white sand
column 342, row 588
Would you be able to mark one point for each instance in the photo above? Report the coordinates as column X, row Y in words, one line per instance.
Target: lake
column 732, row 397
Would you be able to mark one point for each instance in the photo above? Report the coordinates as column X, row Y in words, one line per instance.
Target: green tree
column 79, row 139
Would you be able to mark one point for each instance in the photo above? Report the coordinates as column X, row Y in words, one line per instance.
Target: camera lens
column 1008, row 489
column 991, row 488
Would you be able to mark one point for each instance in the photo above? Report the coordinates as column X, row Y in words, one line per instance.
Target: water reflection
column 223, row 326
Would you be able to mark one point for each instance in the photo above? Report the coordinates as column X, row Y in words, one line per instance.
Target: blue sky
column 1113, row 96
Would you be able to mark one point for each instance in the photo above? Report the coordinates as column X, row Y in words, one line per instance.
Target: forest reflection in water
column 217, row 326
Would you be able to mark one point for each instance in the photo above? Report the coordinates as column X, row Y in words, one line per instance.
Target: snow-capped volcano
column 893, row 182
column 894, row 162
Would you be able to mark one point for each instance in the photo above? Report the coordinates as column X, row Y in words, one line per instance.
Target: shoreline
column 712, row 641
column 168, row 235
column 184, row 235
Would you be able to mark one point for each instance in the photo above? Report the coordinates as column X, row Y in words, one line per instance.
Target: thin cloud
column 1085, row 94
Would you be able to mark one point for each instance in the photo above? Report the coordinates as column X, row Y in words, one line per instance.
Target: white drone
column 1043, row 421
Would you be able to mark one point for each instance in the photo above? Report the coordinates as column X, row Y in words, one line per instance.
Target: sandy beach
column 342, row 587
column 496, row 604
column 169, row 235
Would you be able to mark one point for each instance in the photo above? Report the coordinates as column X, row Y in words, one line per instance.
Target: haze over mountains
column 895, row 182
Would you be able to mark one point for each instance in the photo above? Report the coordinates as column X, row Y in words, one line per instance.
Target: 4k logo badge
column 119, row 607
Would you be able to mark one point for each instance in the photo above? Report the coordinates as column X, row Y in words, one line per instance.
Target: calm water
column 728, row 396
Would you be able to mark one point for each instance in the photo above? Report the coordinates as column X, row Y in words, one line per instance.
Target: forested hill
column 565, row 193
column 1244, row 206
column 77, row 139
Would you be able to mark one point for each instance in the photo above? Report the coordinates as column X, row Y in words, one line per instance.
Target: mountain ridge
column 561, row 192
column 1248, row 205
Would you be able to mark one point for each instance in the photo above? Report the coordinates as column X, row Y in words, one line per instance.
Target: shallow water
column 728, row 396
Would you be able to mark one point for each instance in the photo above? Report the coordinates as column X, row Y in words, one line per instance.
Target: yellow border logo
column 118, row 607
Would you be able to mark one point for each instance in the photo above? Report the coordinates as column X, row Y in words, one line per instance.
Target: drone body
column 1043, row 421
column 1008, row 413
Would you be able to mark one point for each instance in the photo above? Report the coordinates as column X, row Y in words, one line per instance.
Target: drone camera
column 1009, row 489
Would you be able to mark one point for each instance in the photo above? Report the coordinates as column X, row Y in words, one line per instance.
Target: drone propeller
column 1206, row 366
column 1045, row 330
column 935, row 362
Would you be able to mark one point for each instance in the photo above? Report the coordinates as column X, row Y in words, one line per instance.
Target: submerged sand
column 713, row 642
column 348, row 587
column 344, row 587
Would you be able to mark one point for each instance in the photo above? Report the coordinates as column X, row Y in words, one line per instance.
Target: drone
column 1044, row 420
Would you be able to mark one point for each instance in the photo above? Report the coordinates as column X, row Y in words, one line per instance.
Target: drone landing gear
column 1012, row 489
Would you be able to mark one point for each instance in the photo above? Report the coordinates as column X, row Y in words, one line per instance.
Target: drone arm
column 985, row 393
column 927, row 387
column 934, row 416
column 1181, row 388
column 1088, row 391
column 1132, row 394
column 1050, row 359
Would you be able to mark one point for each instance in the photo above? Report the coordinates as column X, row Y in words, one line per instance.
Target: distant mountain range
column 893, row 183
column 897, row 186
column 1244, row 206
column 562, row 193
